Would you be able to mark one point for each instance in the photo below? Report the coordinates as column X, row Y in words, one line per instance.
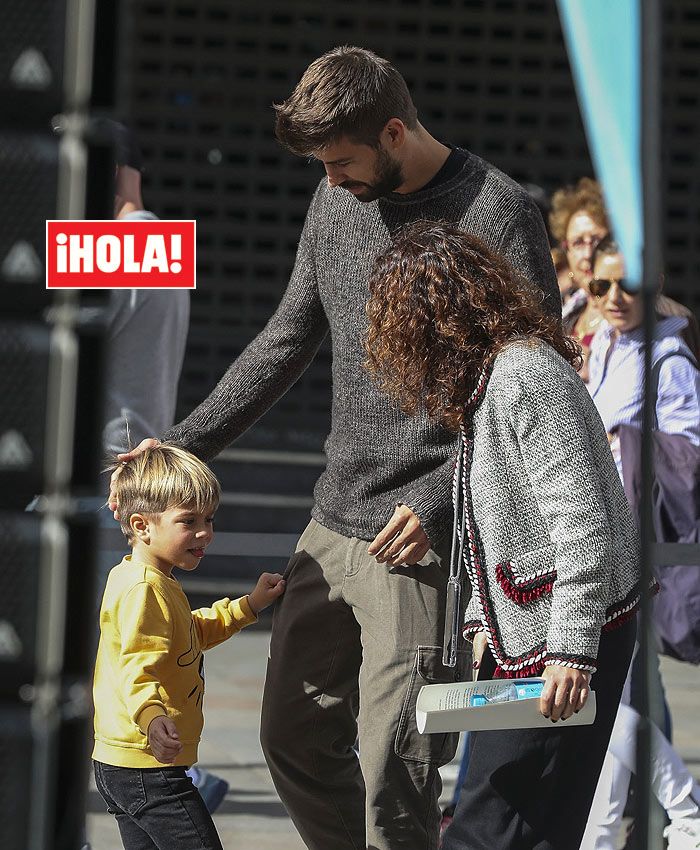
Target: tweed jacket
column 549, row 542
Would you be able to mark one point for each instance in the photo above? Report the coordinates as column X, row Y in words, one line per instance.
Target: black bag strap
column 656, row 374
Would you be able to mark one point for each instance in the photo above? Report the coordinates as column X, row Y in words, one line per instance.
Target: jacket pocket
column 529, row 576
column 428, row 669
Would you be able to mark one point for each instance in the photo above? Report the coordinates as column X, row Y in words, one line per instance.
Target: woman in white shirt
column 616, row 380
column 616, row 384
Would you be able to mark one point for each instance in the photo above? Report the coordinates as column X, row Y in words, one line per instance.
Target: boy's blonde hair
column 161, row 478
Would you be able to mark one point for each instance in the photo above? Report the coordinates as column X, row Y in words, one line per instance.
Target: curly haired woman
column 550, row 545
column 579, row 221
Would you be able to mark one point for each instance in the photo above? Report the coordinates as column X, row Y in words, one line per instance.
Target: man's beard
column 388, row 177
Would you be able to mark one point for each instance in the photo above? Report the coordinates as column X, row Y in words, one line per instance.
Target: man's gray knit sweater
column 377, row 456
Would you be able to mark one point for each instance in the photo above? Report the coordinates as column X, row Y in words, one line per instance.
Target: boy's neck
column 141, row 553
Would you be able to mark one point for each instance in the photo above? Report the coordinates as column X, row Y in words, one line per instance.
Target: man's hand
column 565, row 691
column 127, row 191
column 270, row 586
column 402, row 540
column 479, row 644
column 148, row 443
column 163, row 739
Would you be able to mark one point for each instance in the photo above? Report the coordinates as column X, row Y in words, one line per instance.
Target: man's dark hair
column 348, row 92
column 606, row 247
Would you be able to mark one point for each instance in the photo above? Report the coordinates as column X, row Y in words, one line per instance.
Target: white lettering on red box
column 82, row 253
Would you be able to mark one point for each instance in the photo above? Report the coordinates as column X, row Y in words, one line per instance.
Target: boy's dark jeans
column 156, row 808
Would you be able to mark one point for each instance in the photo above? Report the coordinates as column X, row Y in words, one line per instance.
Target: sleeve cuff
column 471, row 628
column 242, row 613
column 577, row 662
column 149, row 713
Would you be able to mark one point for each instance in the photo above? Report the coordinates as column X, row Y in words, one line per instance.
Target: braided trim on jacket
column 533, row 669
column 524, row 589
column 619, row 613
column 566, row 659
column 472, row 627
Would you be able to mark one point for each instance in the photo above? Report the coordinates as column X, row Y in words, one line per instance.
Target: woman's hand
column 479, row 644
column 565, row 691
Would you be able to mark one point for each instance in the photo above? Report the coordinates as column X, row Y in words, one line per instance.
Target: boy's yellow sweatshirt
column 150, row 662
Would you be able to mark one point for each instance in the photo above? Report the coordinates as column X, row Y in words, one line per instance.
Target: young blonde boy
column 149, row 682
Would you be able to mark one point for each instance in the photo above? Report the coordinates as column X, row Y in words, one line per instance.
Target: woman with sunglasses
column 550, row 547
column 616, row 385
column 578, row 220
column 616, row 380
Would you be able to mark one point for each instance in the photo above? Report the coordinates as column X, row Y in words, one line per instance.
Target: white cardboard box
column 445, row 708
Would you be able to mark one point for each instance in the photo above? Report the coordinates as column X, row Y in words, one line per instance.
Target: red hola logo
column 120, row 255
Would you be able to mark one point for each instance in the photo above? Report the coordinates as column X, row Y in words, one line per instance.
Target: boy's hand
column 269, row 587
column 163, row 739
column 565, row 691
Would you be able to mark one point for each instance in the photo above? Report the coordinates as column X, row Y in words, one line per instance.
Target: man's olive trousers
column 352, row 643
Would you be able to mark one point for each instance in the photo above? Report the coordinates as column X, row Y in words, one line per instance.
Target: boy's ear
column 140, row 527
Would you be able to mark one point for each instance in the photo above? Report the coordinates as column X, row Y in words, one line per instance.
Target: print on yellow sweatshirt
column 150, row 662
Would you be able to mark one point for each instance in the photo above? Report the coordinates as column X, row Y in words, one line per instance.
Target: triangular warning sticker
column 14, row 451
column 22, row 263
column 10, row 644
column 31, row 70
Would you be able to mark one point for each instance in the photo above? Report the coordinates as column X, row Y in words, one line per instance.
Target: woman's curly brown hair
column 586, row 196
column 441, row 307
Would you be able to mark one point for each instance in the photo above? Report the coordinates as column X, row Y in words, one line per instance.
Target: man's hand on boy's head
column 163, row 739
column 270, row 586
column 148, row 443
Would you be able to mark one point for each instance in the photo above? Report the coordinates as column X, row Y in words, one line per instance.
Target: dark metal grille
column 489, row 74
column 681, row 126
column 16, row 754
column 19, row 582
column 24, row 376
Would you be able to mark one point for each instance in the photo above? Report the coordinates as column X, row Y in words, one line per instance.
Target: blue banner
column 603, row 42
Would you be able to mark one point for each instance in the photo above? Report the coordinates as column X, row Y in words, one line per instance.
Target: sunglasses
column 599, row 287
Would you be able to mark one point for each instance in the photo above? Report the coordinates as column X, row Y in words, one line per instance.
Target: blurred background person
column 567, row 285
column 616, row 380
column 579, row 221
column 565, row 280
column 146, row 330
column 616, row 384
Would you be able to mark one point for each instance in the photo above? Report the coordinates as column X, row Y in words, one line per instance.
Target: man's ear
column 140, row 528
column 394, row 133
